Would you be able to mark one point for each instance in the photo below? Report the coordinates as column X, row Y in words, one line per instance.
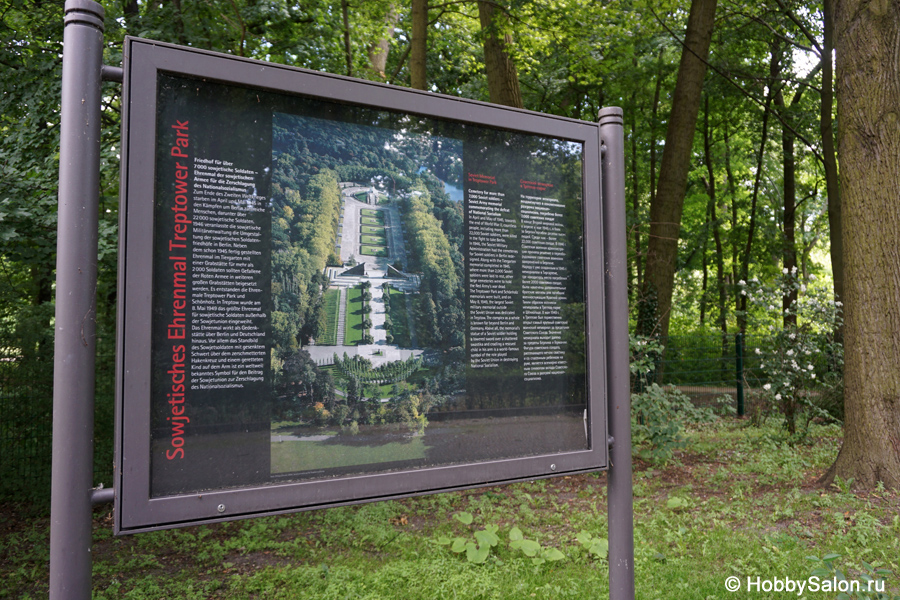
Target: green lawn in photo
column 330, row 301
column 371, row 240
column 373, row 251
column 370, row 221
column 361, row 196
column 370, row 230
column 387, row 390
column 400, row 326
column 353, row 330
column 296, row 455
column 368, row 212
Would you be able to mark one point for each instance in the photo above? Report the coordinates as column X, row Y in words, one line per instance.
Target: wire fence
column 711, row 368
column 26, row 417
column 26, row 410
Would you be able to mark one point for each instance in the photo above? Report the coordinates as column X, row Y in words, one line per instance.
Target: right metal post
column 620, row 501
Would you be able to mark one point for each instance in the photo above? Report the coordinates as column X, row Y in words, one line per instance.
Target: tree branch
column 747, row 94
column 790, row 15
column 399, row 65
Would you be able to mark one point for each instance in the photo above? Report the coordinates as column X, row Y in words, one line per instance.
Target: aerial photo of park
column 368, row 293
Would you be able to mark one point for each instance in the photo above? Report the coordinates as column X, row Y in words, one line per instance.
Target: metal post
column 739, row 364
column 621, row 526
column 76, row 282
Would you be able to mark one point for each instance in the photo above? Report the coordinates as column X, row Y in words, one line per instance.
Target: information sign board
column 337, row 291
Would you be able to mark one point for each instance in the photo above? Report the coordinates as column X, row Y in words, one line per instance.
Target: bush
column 658, row 417
column 795, row 380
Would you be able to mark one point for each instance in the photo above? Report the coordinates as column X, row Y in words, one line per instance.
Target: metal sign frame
column 136, row 509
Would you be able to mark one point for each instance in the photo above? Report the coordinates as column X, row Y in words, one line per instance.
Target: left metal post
column 76, row 282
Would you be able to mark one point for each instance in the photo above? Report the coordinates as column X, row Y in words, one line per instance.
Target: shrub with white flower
column 792, row 385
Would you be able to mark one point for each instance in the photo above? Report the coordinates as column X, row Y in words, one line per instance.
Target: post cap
column 610, row 115
column 85, row 12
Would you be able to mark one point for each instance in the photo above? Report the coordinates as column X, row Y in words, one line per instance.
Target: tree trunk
column 714, row 222
column 348, row 53
column 378, row 51
column 502, row 78
column 132, row 13
column 636, row 207
column 789, row 176
column 654, row 121
column 867, row 41
column 732, row 193
column 832, row 184
column 774, row 73
column 789, row 187
column 418, row 44
column 666, row 209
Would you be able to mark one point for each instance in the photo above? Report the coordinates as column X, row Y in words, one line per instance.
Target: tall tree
column 789, row 186
column 667, row 206
column 418, row 45
column 348, row 49
column 744, row 273
column 867, row 44
column 378, row 51
column 502, row 77
column 710, row 182
column 831, row 169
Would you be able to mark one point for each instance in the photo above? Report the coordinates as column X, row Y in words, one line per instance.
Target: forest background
column 740, row 94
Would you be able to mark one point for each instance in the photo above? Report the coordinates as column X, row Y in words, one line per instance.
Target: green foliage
column 330, row 310
column 533, row 549
column 659, row 416
column 439, row 306
column 645, row 355
column 597, row 547
column 478, row 551
column 305, row 215
column 485, row 539
column 870, row 584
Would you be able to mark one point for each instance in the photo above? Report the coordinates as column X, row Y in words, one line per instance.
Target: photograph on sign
column 341, row 290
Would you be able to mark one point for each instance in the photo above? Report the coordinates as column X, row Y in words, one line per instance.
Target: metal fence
column 26, row 411
column 709, row 368
column 26, row 417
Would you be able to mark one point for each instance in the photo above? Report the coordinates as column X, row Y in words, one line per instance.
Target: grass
column 400, row 324
column 330, row 300
column 369, row 230
column 368, row 212
column 353, row 329
column 297, row 456
column 370, row 221
column 373, row 251
column 736, row 501
column 371, row 240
